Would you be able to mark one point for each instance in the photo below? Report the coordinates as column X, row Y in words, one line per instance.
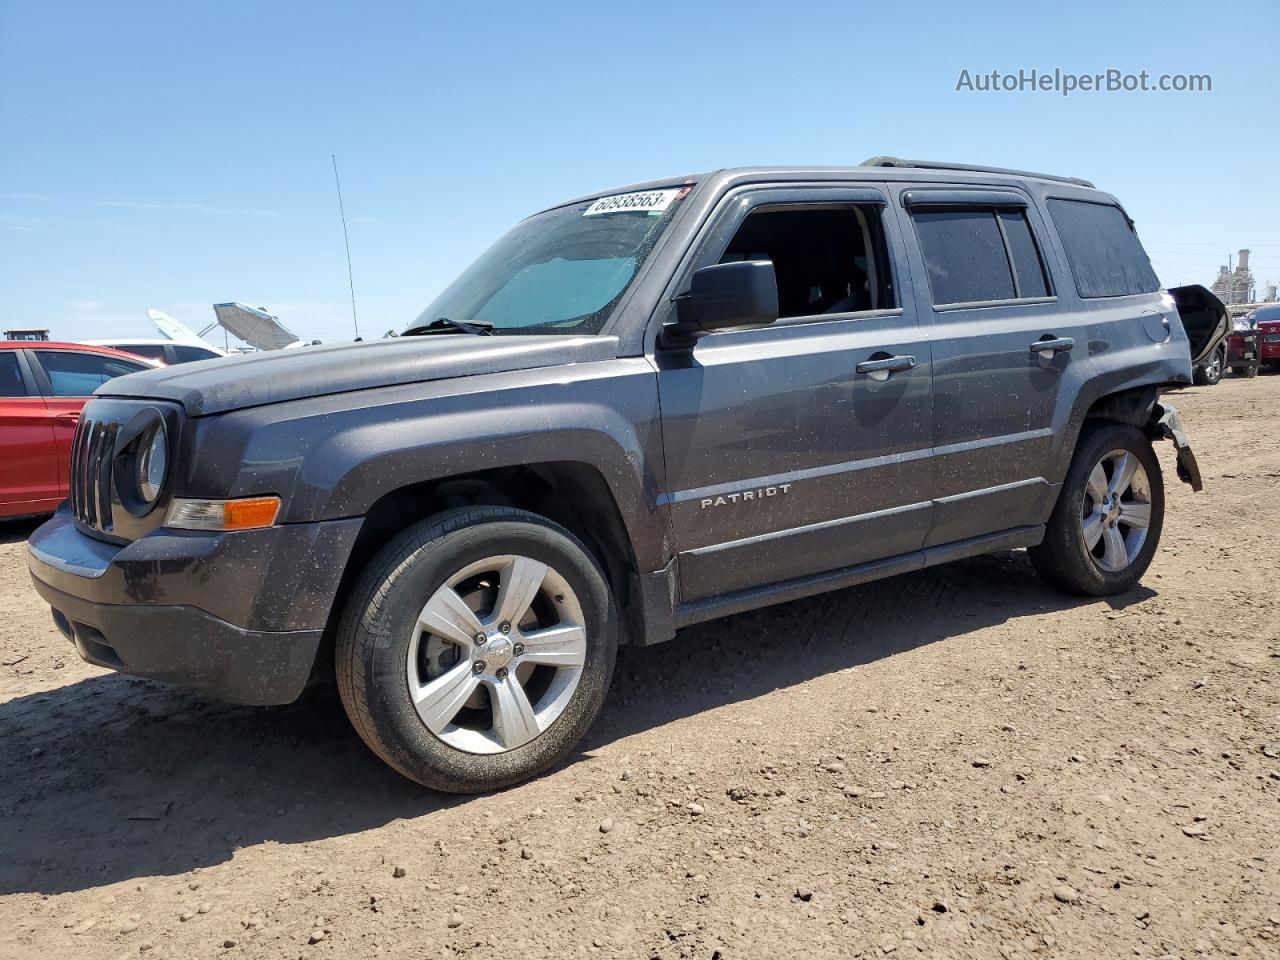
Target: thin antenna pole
column 351, row 283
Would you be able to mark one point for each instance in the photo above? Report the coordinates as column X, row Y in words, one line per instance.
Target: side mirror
column 724, row 295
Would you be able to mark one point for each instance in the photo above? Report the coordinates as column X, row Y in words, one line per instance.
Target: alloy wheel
column 1117, row 510
column 496, row 654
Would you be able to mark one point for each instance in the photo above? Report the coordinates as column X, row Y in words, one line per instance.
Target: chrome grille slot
column 74, row 493
column 79, row 502
column 92, row 451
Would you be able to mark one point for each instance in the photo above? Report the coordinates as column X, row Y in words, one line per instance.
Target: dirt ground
column 954, row 763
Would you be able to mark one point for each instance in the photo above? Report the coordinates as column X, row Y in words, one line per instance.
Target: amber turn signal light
column 249, row 513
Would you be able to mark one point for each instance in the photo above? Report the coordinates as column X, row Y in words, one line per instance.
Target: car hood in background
column 255, row 379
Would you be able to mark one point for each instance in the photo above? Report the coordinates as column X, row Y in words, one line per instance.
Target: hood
column 255, row 379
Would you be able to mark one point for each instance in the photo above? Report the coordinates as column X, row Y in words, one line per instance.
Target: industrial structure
column 1233, row 286
column 27, row 334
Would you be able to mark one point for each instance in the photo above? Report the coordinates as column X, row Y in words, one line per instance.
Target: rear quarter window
column 1105, row 255
column 11, row 384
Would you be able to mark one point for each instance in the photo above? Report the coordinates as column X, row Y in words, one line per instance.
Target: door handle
column 1053, row 344
column 886, row 365
column 73, row 417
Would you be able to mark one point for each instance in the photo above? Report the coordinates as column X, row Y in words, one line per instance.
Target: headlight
column 152, row 462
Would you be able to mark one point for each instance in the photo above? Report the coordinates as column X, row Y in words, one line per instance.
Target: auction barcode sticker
column 647, row 201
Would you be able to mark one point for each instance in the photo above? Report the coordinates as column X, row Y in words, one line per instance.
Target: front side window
column 560, row 271
column 11, row 384
column 79, row 374
column 1105, row 255
column 827, row 258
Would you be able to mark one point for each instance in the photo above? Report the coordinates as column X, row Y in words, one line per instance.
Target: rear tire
column 446, row 708
column 1211, row 372
column 1095, row 543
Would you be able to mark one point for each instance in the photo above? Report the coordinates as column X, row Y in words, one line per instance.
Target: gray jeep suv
column 638, row 410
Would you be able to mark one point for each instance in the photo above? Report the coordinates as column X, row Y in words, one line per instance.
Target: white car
column 164, row 351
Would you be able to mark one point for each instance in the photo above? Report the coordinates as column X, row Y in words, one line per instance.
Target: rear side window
column 11, row 384
column 79, row 374
column 1027, row 269
column 1106, row 258
column 152, row 351
column 979, row 254
column 183, row 354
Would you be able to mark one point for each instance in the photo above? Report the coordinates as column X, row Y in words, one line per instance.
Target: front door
column 800, row 447
column 1002, row 348
column 28, row 463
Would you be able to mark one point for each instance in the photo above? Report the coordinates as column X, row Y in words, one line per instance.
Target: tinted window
column 964, row 255
column 1027, row 266
column 183, row 354
column 79, row 374
column 152, row 351
column 11, row 384
column 1105, row 256
column 827, row 259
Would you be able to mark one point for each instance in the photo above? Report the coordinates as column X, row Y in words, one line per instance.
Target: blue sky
column 172, row 155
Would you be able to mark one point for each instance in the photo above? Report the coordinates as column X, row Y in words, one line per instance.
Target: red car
column 42, row 388
column 1267, row 319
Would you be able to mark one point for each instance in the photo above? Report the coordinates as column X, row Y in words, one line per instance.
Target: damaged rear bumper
column 1168, row 425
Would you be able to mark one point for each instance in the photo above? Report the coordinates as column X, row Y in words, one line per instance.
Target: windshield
column 560, row 271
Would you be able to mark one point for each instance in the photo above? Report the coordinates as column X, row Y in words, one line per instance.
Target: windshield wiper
column 479, row 329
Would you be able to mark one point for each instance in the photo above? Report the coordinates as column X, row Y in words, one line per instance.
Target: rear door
column 28, row 461
column 800, row 447
column 68, row 378
column 1003, row 347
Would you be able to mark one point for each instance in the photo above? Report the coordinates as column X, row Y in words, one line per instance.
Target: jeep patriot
column 639, row 410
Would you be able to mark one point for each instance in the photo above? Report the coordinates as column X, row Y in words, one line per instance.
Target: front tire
column 1106, row 525
column 477, row 649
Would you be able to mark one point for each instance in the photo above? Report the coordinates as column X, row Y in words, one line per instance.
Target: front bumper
column 236, row 615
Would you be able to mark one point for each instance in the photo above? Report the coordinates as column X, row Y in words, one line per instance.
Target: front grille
column 92, row 454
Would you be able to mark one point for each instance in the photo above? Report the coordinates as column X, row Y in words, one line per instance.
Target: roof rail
column 972, row 167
